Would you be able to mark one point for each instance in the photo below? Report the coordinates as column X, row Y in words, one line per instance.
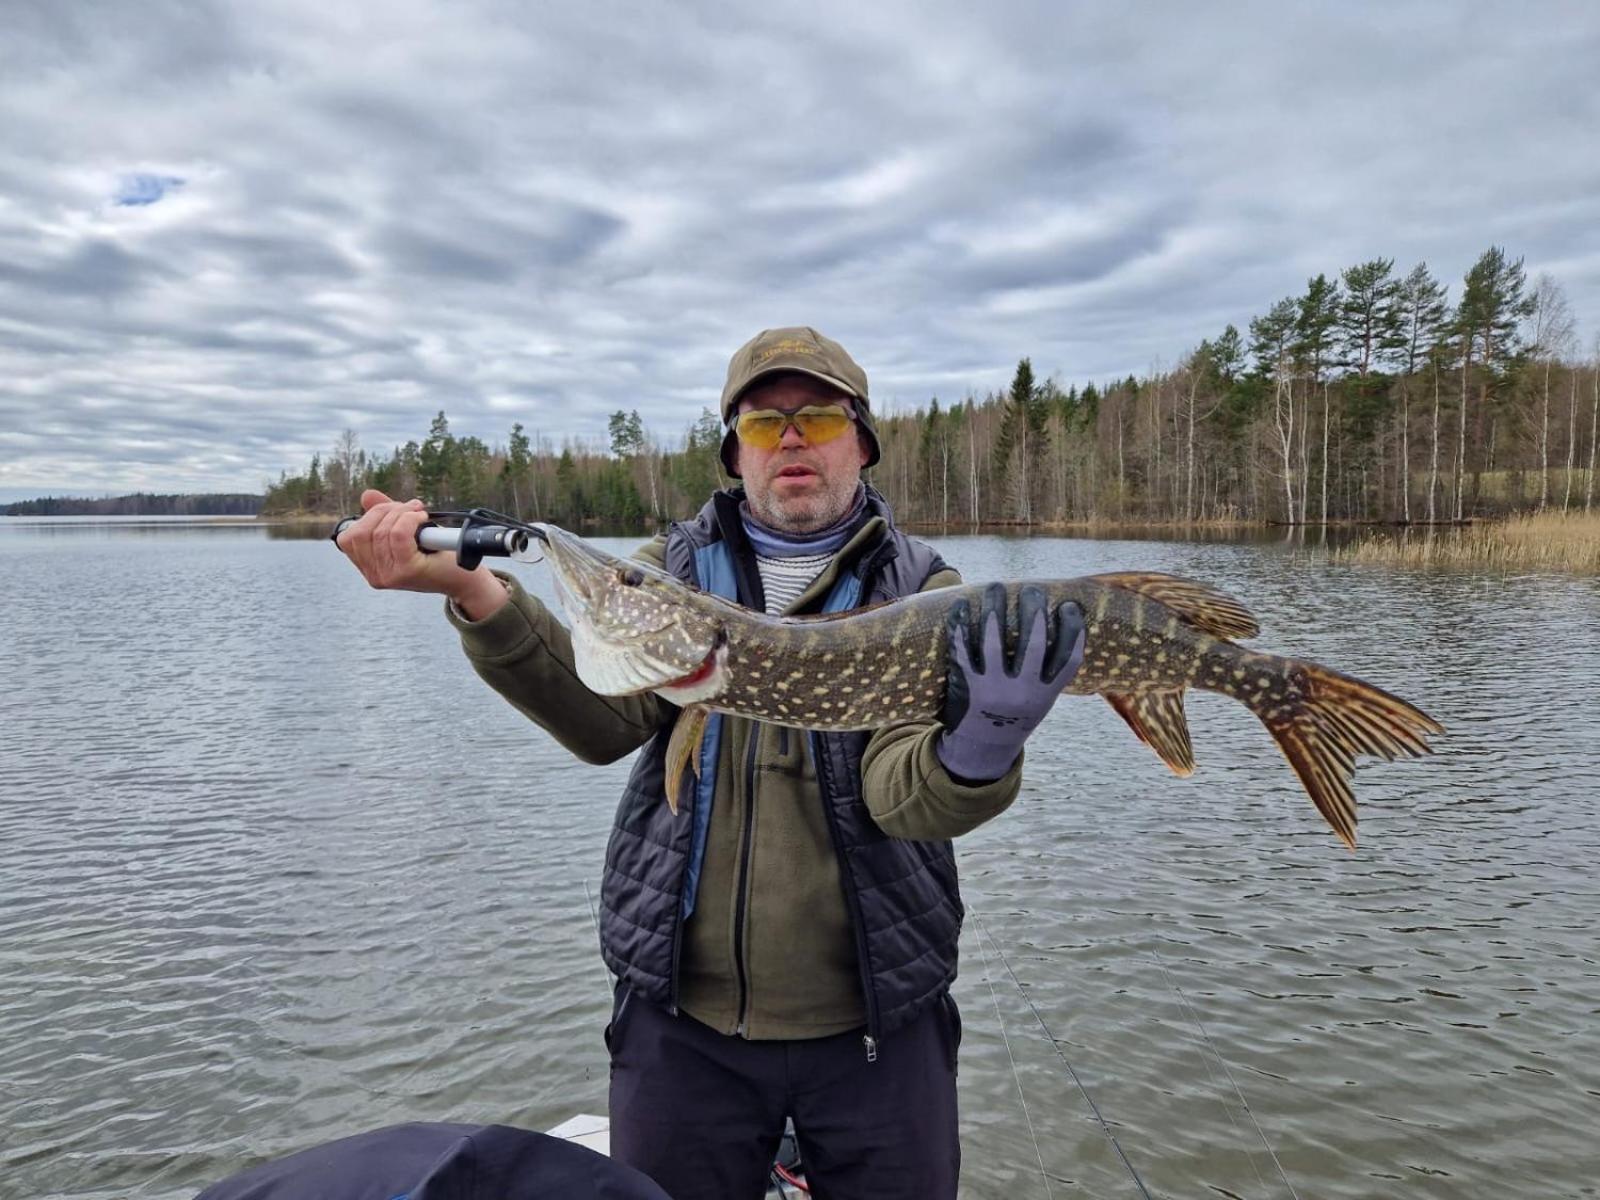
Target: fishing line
column 995, row 996
column 1095, row 1108
column 1211, row 1078
column 1195, row 1017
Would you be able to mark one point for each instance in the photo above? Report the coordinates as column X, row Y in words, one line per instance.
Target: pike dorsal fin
column 1202, row 606
column 1157, row 717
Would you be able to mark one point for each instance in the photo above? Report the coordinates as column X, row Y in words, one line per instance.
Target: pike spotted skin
column 1148, row 638
column 879, row 666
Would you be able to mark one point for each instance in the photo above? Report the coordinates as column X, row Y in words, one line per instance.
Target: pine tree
column 1316, row 319
column 569, row 500
column 1421, row 318
column 1023, row 440
column 433, row 463
column 1367, row 320
column 1226, row 356
column 514, row 473
column 627, row 434
column 933, row 454
column 1492, row 308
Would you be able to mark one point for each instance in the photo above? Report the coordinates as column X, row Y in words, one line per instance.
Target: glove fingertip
column 957, row 627
column 1066, row 655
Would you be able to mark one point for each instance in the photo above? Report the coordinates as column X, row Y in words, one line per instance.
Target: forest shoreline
column 1551, row 540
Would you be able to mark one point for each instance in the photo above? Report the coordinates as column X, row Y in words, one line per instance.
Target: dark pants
column 702, row 1113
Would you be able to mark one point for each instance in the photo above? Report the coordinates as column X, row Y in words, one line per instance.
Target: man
column 785, row 946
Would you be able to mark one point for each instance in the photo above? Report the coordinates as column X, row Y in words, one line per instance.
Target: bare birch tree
column 1594, row 429
column 1551, row 323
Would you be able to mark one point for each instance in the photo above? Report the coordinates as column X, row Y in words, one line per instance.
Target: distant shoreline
column 140, row 504
column 1566, row 542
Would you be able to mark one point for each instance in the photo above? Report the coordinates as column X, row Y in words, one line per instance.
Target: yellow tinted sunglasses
column 817, row 423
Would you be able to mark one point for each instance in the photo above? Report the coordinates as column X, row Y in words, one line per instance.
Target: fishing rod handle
column 470, row 544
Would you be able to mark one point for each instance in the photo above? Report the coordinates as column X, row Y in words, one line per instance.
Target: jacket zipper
column 869, row 1040
column 853, row 902
column 677, row 933
column 745, row 841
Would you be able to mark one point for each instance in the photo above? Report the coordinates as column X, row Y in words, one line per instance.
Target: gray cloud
column 523, row 214
column 93, row 266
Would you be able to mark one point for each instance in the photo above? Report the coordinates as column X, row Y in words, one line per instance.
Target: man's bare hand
column 383, row 546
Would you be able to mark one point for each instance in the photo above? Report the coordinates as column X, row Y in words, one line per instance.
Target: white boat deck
column 586, row 1129
column 594, row 1132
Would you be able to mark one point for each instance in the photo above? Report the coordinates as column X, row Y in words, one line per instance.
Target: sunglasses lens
column 822, row 424
column 763, row 429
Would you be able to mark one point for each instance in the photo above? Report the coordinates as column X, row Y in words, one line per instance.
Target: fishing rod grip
column 471, row 543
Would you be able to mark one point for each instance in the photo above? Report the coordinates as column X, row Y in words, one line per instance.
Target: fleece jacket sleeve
column 525, row 654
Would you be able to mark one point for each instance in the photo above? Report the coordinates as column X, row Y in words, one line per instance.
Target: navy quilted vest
column 901, row 895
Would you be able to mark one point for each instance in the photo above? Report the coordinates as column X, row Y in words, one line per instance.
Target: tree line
column 139, row 504
column 1373, row 395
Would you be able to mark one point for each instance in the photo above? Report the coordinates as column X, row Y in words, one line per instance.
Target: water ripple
column 275, row 867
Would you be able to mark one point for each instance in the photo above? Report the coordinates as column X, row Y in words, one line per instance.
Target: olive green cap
column 793, row 348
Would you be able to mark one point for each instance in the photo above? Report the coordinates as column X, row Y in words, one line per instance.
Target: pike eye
column 629, row 577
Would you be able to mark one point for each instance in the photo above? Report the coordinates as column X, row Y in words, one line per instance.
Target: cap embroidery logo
column 786, row 346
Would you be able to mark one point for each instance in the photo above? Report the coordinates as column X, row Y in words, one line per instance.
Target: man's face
column 800, row 487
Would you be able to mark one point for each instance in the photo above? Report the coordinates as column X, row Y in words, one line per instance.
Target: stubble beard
column 803, row 514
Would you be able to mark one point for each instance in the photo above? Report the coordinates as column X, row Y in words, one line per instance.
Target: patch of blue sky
column 144, row 189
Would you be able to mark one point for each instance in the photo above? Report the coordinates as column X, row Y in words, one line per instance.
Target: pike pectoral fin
column 683, row 749
column 1157, row 717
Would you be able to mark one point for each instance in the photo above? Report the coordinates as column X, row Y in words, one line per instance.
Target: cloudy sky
column 228, row 231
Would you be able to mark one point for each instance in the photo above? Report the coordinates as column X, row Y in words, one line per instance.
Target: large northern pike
column 1148, row 638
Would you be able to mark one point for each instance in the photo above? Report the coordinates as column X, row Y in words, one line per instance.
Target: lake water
column 276, row 867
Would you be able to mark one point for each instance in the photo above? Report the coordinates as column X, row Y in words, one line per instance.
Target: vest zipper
column 745, row 841
column 677, row 931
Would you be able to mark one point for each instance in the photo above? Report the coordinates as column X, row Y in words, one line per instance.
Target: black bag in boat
column 440, row 1162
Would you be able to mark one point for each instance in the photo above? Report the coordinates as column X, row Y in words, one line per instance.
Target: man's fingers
column 356, row 539
column 1066, row 654
column 1033, row 632
column 394, row 543
column 992, row 630
column 958, row 633
column 382, row 543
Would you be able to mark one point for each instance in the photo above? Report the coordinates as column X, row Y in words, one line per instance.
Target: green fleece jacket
column 769, row 951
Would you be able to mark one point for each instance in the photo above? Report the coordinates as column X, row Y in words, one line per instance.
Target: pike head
column 636, row 628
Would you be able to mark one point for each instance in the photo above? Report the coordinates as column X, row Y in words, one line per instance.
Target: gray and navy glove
column 991, row 705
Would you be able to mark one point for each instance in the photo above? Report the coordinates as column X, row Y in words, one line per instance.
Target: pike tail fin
column 1332, row 718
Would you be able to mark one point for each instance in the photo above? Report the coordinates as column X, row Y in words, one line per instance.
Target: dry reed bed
column 1549, row 541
